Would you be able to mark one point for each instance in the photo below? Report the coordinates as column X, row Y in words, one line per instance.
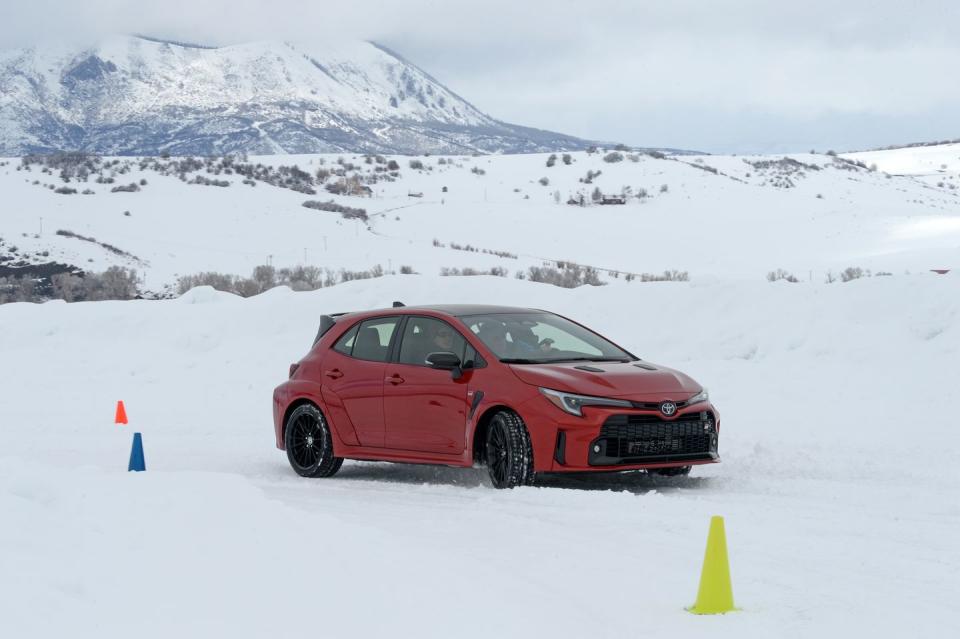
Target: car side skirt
column 361, row 453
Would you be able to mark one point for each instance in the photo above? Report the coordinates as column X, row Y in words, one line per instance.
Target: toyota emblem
column 668, row 408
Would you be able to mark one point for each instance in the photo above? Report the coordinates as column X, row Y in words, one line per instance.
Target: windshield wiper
column 590, row 359
column 520, row 360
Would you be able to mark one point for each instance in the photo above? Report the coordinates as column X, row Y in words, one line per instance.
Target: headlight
column 702, row 396
column 570, row 403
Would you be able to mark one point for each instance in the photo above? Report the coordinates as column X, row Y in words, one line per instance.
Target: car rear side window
column 373, row 339
column 345, row 343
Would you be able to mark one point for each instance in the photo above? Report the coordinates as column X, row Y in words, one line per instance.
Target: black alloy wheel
column 308, row 443
column 509, row 453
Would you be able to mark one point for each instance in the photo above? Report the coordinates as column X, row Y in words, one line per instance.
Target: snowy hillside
column 710, row 216
column 134, row 95
column 837, row 482
column 934, row 160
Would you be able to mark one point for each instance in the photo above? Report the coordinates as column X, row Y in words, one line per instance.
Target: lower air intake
column 636, row 439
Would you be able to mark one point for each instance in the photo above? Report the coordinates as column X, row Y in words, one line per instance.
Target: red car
column 523, row 391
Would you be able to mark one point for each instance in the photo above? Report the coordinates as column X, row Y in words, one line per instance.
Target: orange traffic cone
column 121, row 417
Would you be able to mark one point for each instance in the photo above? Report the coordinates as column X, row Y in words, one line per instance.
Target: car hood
column 640, row 381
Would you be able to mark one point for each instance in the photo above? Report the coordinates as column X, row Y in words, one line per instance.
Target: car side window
column 345, row 343
column 425, row 335
column 472, row 359
column 373, row 339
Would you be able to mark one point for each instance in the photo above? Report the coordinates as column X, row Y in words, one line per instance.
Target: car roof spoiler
column 326, row 323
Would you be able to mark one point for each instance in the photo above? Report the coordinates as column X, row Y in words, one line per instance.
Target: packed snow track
column 839, row 483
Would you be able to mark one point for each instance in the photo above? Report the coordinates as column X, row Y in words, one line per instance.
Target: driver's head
column 443, row 338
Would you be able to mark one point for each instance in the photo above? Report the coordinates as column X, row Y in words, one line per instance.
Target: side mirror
column 445, row 361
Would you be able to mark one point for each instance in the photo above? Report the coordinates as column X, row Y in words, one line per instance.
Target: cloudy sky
column 711, row 75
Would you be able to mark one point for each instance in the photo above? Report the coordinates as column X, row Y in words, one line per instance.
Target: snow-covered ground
column 937, row 159
column 839, row 482
column 723, row 217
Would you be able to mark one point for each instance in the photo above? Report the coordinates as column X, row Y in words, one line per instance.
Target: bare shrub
column 666, row 276
column 780, row 274
column 347, row 212
column 67, row 287
column 109, row 247
column 265, row 277
column 17, row 289
column 591, row 174
column 468, row 271
column 853, row 273
column 116, row 283
column 568, row 275
column 347, row 186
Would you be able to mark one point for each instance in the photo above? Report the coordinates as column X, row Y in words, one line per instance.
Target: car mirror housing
column 447, row 361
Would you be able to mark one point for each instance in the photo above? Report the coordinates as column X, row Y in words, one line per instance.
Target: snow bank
column 837, row 483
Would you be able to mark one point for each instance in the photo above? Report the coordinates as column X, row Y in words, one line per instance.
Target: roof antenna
column 398, row 304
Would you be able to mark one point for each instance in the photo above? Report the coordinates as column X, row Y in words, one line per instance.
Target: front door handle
column 395, row 379
column 336, row 373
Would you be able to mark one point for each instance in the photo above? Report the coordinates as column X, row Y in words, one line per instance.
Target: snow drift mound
column 837, row 440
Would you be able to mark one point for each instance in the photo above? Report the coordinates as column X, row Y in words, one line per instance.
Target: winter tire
column 509, row 453
column 309, row 447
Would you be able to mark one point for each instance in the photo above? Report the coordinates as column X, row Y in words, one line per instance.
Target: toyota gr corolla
column 519, row 390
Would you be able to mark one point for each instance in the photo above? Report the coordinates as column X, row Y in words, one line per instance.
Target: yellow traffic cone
column 716, row 593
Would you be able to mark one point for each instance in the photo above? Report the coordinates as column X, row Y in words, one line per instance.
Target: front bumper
column 612, row 439
column 650, row 438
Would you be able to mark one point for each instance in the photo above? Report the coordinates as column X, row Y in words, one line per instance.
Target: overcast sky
column 710, row 75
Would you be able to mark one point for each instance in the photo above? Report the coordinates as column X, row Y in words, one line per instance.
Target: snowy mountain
column 133, row 95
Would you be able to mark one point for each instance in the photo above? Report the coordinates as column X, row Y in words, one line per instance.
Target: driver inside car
column 442, row 340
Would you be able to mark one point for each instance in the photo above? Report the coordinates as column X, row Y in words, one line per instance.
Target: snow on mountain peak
column 138, row 95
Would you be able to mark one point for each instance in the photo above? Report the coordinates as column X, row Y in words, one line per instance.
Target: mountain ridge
column 138, row 95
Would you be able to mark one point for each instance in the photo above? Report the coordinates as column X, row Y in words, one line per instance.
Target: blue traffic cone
column 137, row 461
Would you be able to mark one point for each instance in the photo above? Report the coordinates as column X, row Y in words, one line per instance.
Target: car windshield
column 539, row 338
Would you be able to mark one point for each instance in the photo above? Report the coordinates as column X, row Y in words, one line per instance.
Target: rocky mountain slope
column 132, row 95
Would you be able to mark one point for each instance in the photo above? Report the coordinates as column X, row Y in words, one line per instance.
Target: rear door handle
column 334, row 374
column 395, row 379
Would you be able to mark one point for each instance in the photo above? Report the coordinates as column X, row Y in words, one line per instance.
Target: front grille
column 639, row 438
column 655, row 405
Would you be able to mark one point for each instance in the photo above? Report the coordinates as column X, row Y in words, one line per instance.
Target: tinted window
column 471, row 359
column 373, row 339
column 345, row 343
column 541, row 337
column 425, row 335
